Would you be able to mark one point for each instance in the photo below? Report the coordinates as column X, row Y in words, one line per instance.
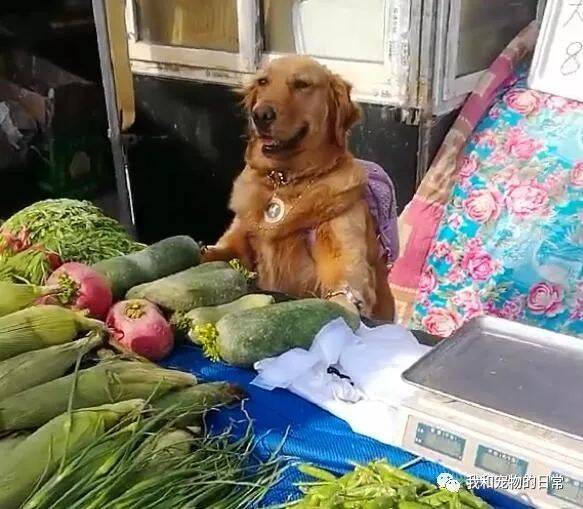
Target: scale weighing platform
column 502, row 403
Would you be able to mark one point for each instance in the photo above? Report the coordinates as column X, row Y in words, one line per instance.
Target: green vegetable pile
column 38, row 238
column 82, row 428
column 147, row 462
column 378, row 485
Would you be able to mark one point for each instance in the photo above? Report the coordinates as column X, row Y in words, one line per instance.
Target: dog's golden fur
column 324, row 193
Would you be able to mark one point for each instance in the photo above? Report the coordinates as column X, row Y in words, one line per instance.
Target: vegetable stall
column 88, row 419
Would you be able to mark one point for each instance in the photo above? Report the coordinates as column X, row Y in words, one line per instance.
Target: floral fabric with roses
column 511, row 242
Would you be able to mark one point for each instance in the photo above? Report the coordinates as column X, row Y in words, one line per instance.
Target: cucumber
column 245, row 337
column 156, row 261
column 200, row 317
column 194, row 287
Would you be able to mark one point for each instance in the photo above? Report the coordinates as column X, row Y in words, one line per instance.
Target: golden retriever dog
column 301, row 218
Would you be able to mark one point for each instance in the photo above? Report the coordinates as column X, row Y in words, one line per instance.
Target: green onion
column 146, row 463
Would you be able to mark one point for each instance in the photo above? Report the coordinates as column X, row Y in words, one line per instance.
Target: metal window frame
column 114, row 70
column 455, row 86
column 450, row 91
column 244, row 61
column 386, row 83
column 391, row 83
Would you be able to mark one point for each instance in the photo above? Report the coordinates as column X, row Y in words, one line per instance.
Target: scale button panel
column 439, row 440
column 499, row 462
column 569, row 489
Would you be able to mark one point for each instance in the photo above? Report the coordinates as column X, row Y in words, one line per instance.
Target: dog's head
column 296, row 105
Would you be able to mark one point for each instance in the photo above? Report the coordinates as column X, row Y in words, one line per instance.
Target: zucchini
column 156, row 261
column 192, row 321
column 194, row 287
column 245, row 337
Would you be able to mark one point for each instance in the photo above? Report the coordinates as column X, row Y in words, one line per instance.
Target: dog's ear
column 248, row 95
column 343, row 112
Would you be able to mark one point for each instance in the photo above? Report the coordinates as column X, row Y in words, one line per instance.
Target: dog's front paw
column 213, row 254
column 343, row 301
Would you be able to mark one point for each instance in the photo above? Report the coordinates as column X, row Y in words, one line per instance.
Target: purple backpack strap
column 382, row 203
column 380, row 196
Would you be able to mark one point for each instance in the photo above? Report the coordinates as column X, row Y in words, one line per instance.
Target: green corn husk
column 36, row 458
column 40, row 366
column 143, row 440
column 216, row 473
column 160, row 450
column 107, row 382
column 191, row 403
column 39, row 327
column 96, row 460
column 8, row 443
column 159, row 453
column 14, row 296
column 145, row 463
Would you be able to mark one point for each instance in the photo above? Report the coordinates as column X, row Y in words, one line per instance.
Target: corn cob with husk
column 10, row 442
column 39, row 327
column 159, row 449
column 147, row 464
column 192, row 402
column 108, row 382
column 14, row 296
column 66, row 487
column 159, row 453
column 144, row 440
column 40, row 366
column 36, row 458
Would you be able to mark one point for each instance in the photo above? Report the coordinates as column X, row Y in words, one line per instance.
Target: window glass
column 336, row 29
column 486, row 28
column 205, row 24
column 278, row 26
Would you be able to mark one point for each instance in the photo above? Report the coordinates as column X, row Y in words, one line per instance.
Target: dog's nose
column 263, row 116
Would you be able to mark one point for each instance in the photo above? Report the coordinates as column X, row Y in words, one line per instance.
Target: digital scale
column 492, row 403
column 479, row 442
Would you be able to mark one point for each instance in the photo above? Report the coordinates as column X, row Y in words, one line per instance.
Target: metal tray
column 523, row 372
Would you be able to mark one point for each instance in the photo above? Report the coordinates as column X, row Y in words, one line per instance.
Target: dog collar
column 278, row 178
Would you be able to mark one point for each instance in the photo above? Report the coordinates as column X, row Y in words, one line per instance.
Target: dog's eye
column 301, row 84
column 262, row 82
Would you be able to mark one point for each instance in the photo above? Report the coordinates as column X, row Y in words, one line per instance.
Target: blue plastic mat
column 303, row 430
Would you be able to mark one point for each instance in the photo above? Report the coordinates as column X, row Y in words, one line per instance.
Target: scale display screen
column 499, row 462
column 439, row 440
column 568, row 489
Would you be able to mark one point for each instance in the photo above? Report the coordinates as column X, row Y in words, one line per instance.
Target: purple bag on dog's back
column 380, row 196
column 382, row 203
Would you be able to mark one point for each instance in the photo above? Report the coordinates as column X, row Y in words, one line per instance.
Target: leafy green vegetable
column 378, row 485
column 35, row 239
